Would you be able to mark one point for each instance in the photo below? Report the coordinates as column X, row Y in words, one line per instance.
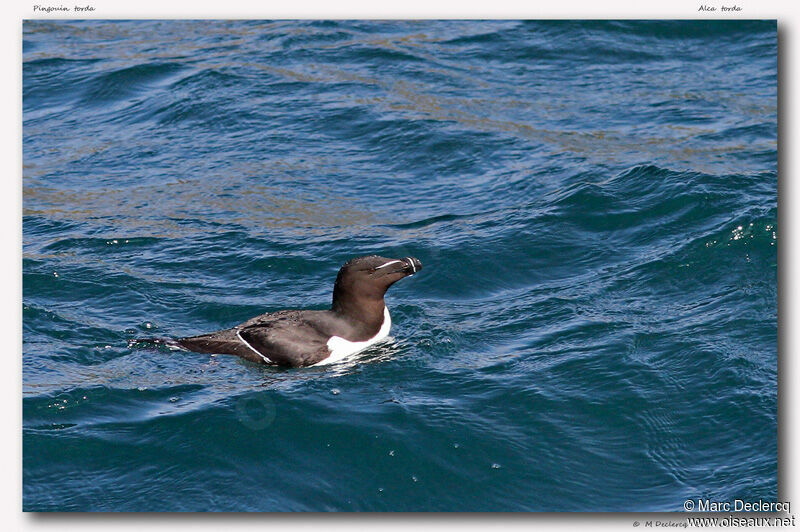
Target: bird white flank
column 341, row 348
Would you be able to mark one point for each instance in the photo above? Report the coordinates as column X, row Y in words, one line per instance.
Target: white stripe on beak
column 413, row 267
column 388, row 263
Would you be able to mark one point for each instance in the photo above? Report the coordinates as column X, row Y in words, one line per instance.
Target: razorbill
column 358, row 318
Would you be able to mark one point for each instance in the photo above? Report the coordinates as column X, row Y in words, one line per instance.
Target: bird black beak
column 411, row 265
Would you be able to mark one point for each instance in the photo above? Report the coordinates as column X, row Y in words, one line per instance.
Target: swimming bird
column 357, row 319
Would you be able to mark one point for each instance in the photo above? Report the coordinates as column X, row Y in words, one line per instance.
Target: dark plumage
column 301, row 337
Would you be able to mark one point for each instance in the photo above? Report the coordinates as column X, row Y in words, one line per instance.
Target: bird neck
column 362, row 310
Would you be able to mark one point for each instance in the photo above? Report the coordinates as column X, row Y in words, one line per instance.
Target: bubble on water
column 148, row 325
column 495, row 466
column 174, row 399
column 142, row 388
column 335, row 391
column 391, row 453
column 414, row 478
column 456, row 445
column 380, row 490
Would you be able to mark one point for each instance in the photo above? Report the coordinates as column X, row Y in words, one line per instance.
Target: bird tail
column 224, row 341
column 156, row 342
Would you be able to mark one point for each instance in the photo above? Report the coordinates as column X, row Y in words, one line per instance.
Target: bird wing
column 289, row 341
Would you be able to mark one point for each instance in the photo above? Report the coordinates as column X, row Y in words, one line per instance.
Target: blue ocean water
column 595, row 203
